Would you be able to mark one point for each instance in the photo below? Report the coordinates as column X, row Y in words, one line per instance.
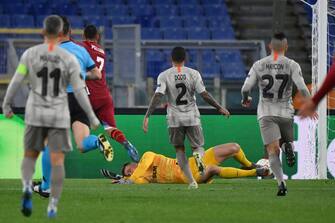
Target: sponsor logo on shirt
column 180, row 77
column 154, row 173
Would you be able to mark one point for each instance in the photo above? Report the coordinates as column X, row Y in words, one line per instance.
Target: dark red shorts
column 104, row 110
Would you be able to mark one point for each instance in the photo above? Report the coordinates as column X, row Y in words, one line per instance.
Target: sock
column 27, row 171
column 53, row 202
column 118, row 136
column 199, row 150
column 276, row 167
column 90, row 143
column 231, row 172
column 242, row 159
column 183, row 163
column 57, row 178
column 46, row 169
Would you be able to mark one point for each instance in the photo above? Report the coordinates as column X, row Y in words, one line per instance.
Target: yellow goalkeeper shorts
column 209, row 160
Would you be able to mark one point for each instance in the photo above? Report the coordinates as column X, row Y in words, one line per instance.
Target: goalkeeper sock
column 231, row 172
column 46, row 169
column 241, row 158
column 276, row 167
column 118, row 136
column 90, row 143
column 184, row 166
column 27, row 170
column 199, row 150
column 57, row 179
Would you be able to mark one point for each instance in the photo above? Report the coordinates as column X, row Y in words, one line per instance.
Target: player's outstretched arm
column 155, row 100
column 94, row 74
column 14, row 85
column 327, row 85
column 309, row 107
column 211, row 101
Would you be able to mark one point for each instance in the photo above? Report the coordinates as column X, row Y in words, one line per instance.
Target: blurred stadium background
column 223, row 39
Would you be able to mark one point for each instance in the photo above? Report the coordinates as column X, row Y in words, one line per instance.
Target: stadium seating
column 174, row 33
column 159, row 19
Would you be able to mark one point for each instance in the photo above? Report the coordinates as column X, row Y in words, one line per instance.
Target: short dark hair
column 90, row 32
column 66, row 25
column 178, row 54
column 124, row 168
column 279, row 36
column 52, row 25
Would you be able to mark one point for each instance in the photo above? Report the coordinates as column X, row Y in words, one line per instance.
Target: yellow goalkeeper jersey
column 156, row 168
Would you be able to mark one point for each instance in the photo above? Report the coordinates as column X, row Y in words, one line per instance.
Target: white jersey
column 49, row 73
column 180, row 85
column 275, row 82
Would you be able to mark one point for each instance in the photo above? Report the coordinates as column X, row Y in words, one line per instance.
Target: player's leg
column 276, row 166
column 287, row 138
column 33, row 143
column 27, row 170
column 86, row 142
column 46, row 169
column 105, row 113
column 80, row 126
column 57, row 178
column 177, row 137
column 196, row 139
column 225, row 151
column 59, row 143
column 270, row 132
column 231, row 172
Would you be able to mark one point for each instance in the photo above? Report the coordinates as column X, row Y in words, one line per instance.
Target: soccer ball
column 266, row 163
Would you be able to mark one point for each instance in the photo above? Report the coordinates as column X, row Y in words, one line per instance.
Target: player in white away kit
column 180, row 84
column 49, row 70
column 275, row 75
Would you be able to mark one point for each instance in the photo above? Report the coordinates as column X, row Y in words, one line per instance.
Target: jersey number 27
column 267, row 88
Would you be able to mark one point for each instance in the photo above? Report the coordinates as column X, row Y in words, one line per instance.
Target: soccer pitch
column 223, row 201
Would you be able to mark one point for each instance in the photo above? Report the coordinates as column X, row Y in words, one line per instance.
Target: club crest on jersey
column 180, row 77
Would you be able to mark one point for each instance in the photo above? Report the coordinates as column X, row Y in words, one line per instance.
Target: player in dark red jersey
column 99, row 93
column 308, row 109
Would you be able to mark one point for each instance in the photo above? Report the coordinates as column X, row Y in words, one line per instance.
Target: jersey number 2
column 283, row 77
column 44, row 75
column 181, row 94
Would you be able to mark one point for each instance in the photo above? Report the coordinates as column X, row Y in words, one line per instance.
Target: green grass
column 223, row 201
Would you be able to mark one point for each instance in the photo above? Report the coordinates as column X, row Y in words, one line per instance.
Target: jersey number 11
column 53, row 74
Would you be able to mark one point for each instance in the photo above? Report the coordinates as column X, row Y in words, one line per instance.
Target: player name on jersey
column 96, row 48
column 50, row 58
column 274, row 66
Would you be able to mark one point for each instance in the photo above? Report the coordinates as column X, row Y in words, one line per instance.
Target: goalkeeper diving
column 157, row 168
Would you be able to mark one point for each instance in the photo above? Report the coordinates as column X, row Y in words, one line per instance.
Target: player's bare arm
column 153, row 104
column 94, row 74
column 310, row 105
column 211, row 101
column 12, row 88
column 246, row 88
